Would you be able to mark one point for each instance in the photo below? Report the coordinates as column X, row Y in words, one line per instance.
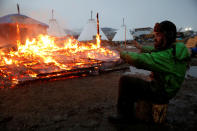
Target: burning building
column 10, row 24
column 43, row 58
column 38, row 56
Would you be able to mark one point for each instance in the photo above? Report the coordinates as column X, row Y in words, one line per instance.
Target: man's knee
column 130, row 79
column 126, row 78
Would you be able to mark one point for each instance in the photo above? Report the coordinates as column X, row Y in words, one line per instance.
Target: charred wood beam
column 113, row 69
column 67, row 75
column 67, row 71
column 78, row 72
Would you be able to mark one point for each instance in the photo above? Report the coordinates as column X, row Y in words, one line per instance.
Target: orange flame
column 98, row 41
column 18, row 33
column 44, row 55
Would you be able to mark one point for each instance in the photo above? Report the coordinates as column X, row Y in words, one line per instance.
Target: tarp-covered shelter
column 27, row 27
column 89, row 32
column 141, row 32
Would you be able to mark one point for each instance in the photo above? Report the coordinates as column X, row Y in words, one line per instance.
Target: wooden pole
column 18, row 8
column 52, row 14
column 125, row 36
column 97, row 16
column 91, row 14
column 125, row 33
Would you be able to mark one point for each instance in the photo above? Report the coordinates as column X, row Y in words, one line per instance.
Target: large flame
column 44, row 55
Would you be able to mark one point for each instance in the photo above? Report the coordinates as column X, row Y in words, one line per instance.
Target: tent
column 54, row 28
column 90, row 31
column 122, row 34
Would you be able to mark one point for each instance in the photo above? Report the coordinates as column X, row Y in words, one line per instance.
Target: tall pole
column 52, row 14
column 125, row 32
column 98, row 37
column 91, row 14
column 97, row 16
column 125, row 36
column 18, row 8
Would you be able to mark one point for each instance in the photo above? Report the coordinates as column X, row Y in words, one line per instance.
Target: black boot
column 125, row 114
column 119, row 119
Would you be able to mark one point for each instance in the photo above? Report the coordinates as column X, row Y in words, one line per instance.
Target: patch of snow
column 134, row 70
column 192, row 72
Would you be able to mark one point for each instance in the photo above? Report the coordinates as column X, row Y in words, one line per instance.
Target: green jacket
column 169, row 68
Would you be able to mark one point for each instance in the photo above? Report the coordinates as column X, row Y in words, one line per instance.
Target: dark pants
column 132, row 89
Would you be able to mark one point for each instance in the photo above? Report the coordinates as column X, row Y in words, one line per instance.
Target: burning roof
column 20, row 19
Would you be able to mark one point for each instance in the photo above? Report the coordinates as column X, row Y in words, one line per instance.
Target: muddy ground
column 83, row 104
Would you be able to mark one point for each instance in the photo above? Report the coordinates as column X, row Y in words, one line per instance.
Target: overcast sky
column 74, row 14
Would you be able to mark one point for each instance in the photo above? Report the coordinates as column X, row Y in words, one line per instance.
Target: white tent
column 54, row 28
column 90, row 31
column 122, row 34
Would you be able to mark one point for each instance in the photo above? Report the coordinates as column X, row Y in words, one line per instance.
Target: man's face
column 159, row 39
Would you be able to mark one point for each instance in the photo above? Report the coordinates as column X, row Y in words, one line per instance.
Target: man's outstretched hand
column 120, row 50
column 137, row 45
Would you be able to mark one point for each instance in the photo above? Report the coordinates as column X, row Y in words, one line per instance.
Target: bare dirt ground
column 83, row 104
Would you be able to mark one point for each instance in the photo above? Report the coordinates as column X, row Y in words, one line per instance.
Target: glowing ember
column 44, row 55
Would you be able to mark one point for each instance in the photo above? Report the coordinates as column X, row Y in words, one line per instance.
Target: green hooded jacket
column 169, row 67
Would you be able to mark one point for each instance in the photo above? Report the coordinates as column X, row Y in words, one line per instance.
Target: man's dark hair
column 169, row 30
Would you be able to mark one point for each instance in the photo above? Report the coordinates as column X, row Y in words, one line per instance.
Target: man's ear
column 170, row 35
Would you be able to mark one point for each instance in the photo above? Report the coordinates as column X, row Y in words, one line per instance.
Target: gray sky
column 73, row 14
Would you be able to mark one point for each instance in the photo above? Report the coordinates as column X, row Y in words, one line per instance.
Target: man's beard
column 159, row 44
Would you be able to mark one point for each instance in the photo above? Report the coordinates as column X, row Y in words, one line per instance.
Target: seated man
column 167, row 61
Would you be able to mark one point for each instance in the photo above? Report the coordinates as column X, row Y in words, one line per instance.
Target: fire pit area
column 44, row 57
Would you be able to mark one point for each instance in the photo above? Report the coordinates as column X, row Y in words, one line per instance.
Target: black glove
column 193, row 51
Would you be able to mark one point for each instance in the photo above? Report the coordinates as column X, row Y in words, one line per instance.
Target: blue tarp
column 20, row 19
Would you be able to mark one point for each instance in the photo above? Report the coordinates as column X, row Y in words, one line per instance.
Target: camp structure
column 123, row 34
column 24, row 25
column 54, row 28
column 15, row 27
column 90, row 31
